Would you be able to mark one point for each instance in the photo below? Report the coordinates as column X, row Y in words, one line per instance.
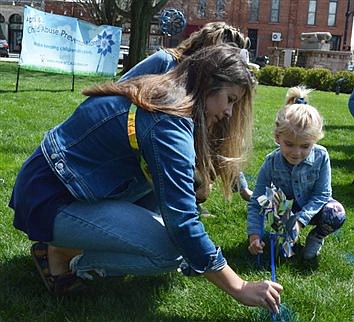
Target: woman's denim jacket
column 90, row 153
column 157, row 63
column 309, row 183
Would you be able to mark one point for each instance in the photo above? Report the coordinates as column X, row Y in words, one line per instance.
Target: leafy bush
column 293, row 76
column 254, row 72
column 270, row 75
column 347, row 85
column 319, row 78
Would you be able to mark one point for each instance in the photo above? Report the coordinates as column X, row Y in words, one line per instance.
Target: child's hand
column 255, row 246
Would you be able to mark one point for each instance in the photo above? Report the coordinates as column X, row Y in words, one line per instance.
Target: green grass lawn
column 321, row 291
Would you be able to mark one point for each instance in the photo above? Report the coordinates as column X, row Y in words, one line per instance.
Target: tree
column 105, row 12
column 138, row 12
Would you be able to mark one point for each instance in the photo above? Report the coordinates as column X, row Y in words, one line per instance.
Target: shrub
column 270, row 75
column 254, row 71
column 319, row 78
column 293, row 76
column 347, row 85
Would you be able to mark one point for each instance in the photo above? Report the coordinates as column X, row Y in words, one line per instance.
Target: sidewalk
column 11, row 58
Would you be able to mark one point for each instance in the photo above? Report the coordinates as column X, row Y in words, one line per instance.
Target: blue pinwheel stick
column 260, row 240
column 272, row 263
column 274, row 204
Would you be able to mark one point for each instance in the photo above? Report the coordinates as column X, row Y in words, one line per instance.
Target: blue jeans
column 117, row 237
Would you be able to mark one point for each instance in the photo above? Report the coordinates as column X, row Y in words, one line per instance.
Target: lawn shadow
column 243, row 262
column 240, row 259
column 130, row 298
column 339, row 127
column 344, row 193
column 298, row 263
column 347, row 150
column 347, row 164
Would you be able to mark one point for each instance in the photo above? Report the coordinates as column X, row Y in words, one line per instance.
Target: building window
column 254, row 8
column 335, row 42
column 332, row 12
column 219, row 9
column 15, row 18
column 274, row 11
column 201, row 9
column 2, row 21
column 311, row 17
column 253, row 36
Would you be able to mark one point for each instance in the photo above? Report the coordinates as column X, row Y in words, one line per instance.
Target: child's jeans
column 329, row 219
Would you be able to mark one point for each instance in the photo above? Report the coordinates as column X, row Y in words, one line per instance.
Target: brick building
column 11, row 21
column 274, row 23
column 268, row 23
column 11, row 17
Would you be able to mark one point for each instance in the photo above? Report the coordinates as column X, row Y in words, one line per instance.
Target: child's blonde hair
column 297, row 117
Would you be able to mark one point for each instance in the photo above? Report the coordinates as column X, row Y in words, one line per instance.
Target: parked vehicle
column 262, row 61
column 4, row 48
column 123, row 51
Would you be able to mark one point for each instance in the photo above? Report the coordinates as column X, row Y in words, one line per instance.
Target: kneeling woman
column 98, row 200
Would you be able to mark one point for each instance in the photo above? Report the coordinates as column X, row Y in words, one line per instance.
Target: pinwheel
column 276, row 210
column 172, row 22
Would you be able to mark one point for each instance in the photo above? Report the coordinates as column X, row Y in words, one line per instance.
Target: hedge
column 317, row 78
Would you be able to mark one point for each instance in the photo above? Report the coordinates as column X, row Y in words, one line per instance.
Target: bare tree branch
column 139, row 13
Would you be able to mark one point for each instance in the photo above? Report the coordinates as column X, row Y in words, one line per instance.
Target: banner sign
column 61, row 44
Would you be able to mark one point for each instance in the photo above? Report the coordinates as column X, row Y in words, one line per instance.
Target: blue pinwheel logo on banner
column 104, row 46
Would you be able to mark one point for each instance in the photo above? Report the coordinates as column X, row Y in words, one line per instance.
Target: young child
column 301, row 169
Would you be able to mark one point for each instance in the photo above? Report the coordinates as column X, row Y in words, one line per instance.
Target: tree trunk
column 138, row 12
column 141, row 13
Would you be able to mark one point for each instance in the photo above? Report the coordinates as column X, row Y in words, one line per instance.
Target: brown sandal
column 60, row 284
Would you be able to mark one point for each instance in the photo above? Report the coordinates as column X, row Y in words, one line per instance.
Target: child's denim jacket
column 308, row 183
column 91, row 154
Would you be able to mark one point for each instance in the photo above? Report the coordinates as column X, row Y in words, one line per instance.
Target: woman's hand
column 255, row 247
column 264, row 293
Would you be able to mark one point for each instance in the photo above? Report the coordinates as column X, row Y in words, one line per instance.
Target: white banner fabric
column 62, row 44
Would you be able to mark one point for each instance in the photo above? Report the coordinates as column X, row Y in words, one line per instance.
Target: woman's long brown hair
column 183, row 92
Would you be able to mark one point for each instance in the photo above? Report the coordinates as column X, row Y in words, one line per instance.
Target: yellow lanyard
column 134, row 143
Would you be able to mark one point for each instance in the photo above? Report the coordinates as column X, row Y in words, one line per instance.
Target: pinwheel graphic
column 104, row 46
